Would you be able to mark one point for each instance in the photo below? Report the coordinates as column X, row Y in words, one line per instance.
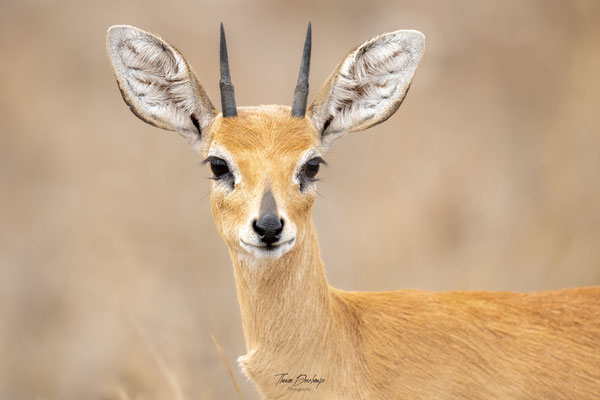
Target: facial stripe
column 268, row 203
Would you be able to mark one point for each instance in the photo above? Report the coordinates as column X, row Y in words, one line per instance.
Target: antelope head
column 265, row 159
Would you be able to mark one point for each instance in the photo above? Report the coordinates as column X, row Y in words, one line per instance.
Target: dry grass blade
column 159, row 360
column 120, row 393
column 226, row 361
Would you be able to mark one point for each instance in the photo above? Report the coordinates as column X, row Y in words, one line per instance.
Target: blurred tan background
column 112, row 277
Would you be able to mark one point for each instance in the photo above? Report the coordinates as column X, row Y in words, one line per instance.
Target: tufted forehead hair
column 267, row 130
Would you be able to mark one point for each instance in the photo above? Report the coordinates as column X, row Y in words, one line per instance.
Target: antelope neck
column 284, row 300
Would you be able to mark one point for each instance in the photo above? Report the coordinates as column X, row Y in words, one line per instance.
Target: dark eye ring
column 219, row 167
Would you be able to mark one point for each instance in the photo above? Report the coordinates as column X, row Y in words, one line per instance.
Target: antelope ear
column 368, row 86
column 157, row 83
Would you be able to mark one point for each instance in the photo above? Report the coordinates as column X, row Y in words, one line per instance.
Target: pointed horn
column 301, row 91
column 227, row 93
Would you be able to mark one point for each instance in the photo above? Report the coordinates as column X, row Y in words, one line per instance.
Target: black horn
column 227, row 92
column 301, row 91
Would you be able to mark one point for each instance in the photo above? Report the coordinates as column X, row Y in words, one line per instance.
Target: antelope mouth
column 270, row 251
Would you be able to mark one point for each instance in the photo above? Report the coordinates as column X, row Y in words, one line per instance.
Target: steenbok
column 304, row 338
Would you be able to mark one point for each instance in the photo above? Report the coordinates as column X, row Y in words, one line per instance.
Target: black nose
column 268, row 227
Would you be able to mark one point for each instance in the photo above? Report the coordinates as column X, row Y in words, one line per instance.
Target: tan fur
column 271, row 135
column 394, row 345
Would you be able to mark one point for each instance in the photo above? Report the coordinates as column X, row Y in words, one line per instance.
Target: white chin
column 270, row 252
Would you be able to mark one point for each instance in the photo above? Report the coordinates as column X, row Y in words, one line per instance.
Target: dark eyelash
column 320, row 160
column 207, row 160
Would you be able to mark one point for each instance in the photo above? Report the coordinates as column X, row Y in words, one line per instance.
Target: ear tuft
column 368, row 86
column 157, row 83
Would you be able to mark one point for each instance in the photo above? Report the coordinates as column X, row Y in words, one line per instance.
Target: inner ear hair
column 368, row 86
column 157, row 83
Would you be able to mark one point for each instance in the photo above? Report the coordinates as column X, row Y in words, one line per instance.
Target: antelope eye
column 311, row 168
column 309, row 171
column 219, row 167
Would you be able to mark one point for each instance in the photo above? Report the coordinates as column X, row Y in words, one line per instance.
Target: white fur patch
column 368, row 86
column 157, row 82
column 244, row 363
